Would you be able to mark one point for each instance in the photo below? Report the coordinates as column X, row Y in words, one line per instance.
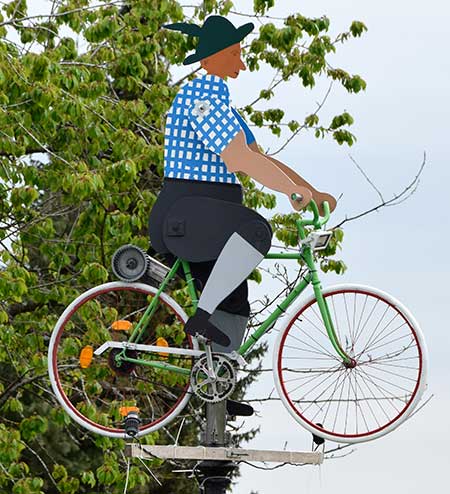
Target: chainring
column 208, row 389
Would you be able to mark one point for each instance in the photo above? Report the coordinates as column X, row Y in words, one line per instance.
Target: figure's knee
column 258, row 233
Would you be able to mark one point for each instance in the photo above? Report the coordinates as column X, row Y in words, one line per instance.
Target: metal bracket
column 238, row 358
column 199, row 453
column 147, row 348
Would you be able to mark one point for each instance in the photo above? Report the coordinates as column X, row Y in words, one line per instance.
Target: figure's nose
column 242, row 65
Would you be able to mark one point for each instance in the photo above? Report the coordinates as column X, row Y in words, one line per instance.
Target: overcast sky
column 403, row 112
column 402, row 250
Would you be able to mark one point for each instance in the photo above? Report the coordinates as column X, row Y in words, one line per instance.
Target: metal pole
column 214, row 476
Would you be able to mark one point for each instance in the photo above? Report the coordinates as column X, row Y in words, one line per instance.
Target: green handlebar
column 326, row 209
column 316, row 221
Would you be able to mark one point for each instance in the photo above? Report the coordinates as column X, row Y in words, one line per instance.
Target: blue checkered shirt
column 199, row 126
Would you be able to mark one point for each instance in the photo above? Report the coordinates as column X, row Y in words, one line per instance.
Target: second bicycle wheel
column 357, row 403
column 93, row 389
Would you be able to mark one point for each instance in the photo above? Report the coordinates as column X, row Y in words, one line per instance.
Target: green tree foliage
column 81, row 155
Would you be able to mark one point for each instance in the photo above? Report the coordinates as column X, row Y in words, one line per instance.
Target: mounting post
column 213, row 475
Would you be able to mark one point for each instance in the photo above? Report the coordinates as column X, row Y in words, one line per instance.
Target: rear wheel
column 93, row 389
column 364, row 400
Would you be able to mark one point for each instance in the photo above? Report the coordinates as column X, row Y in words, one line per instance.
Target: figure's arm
column 220, row 130
column 240, row 158
column 318, row 197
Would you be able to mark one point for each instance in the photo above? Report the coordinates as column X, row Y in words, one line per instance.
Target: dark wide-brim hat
column 216, row 34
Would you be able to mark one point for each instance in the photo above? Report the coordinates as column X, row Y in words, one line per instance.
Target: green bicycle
column 349, row 363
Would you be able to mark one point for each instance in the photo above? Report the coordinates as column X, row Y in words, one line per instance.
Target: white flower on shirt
column 201, row 108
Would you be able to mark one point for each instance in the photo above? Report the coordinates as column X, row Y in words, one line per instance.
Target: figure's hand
column 306, row 197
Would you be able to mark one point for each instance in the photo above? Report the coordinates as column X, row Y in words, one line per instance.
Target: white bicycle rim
column 59, row 393
column 422, row 377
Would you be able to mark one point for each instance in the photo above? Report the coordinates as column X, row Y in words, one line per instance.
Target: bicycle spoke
column 367, row 320
column 355, row 392
column 378, row 340
column 370, row 408
column 320, row 319
column 391, row 356
column 307, row 358
column 309, row 351
column 376, row 362
column 375, row 330
column 330, row 400
column 392, row 341
column 304, row 332
column 311, row 380
column 321, row 394
column 386, row 395
column 395, row 374
column 375, row 398
column 354, row 316
column 357, row 333
column 365, row 371
column 315, row 341
column 348, row 319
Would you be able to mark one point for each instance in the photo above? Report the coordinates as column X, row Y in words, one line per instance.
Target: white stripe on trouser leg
column 236, row 261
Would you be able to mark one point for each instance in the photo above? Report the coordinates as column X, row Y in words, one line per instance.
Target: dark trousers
column 194, row 219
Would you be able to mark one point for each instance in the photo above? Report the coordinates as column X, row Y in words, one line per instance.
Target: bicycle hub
column 350, row 365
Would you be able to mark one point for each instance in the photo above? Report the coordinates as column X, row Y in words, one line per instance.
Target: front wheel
column 93, row 389
column 368, row 398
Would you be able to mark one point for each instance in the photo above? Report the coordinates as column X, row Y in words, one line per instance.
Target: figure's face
column 225, row 63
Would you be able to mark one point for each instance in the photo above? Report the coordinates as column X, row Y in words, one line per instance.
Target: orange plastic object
column 124, row 411
column 86, row 356
column 162, row 342
column 121, row 325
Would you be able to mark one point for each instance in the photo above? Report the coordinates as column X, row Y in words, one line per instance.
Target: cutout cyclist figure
column 198, row 215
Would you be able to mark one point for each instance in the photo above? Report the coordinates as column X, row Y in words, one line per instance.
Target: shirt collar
column 219, row 85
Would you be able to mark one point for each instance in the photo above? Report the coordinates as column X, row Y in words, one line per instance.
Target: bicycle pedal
column 236, row 408
column 202, row 339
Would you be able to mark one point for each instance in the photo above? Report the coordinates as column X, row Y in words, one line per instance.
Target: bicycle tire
column 87, row 322
column 389, row 361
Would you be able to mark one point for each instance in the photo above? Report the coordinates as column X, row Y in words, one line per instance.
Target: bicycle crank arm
column 209, row 359
column 147, row 348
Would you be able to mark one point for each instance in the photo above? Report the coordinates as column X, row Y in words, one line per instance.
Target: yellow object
column 124, row 411
column 122, row 325
column 162, row 342
column 86, row 356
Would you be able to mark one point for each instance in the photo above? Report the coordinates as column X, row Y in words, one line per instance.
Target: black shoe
column 240, row 409
column 200, row 324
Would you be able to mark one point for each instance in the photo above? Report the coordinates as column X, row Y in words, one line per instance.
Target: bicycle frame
column 305, row 254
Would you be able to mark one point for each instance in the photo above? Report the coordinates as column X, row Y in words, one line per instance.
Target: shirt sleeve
column 248, row 133
column 214, row 123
